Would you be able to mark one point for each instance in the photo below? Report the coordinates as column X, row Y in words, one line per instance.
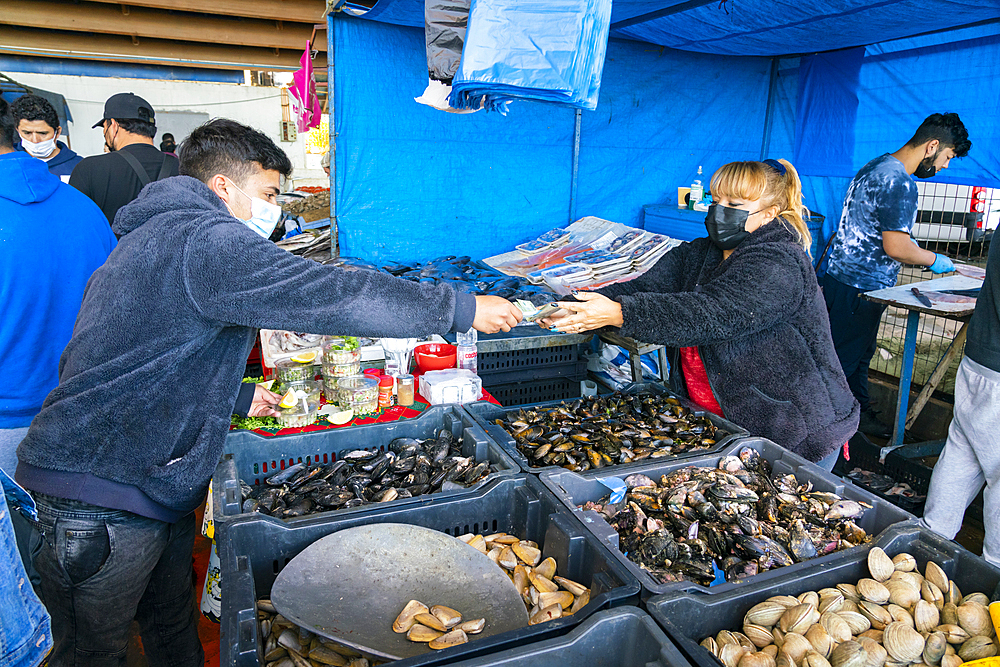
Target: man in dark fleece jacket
column 124, row 447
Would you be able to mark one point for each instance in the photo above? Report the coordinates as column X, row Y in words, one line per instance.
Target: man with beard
column 874, row 239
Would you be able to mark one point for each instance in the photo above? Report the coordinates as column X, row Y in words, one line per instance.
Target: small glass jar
column 404, row 390
column 385, row 385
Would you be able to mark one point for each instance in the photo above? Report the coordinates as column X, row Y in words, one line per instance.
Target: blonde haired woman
column 746, row 314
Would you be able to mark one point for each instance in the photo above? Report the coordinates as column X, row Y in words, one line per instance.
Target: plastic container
column 539, row 363
column 865, row 455
column 303, row 413
column 385, row 386
column 291, row 371
column 253, row 458
column 271, row 354
column 358, row 393
column 451, row 385
column 466, row 353
column 512, row 394
column 688, row 617
column 334, row 354
column 575, row 489
column 341, row 370
column 253, row 552
column 487, row 413
column 434, row 356
column 622, row 637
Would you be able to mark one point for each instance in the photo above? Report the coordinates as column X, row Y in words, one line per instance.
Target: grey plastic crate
column 622, row 637
column 252, row 553
column 575, row 489
column 689, row 617
column 253, row 458
column 486, row 415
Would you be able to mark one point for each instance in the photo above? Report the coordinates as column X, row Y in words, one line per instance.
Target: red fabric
column 696, row 379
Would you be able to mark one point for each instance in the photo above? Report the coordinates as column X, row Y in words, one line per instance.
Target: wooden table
column 900, row 296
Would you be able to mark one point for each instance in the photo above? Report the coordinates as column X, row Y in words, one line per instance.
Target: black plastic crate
column 486, row 415
column 865, row 454
column 688, row 617
column 913, row 455
column 622, row 637
column 539, row 363
column 253, row 552
column 575, row 489
column 253, row 458
column 538, row 391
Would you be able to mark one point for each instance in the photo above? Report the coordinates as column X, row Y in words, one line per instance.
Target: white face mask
column 264, row 216
column 41, row 150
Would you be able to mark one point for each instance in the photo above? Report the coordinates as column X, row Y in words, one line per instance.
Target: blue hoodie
column 62, row 164
column 148, row 383
column 52, row 237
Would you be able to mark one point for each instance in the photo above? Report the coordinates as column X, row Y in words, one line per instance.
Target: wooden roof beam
column 143, row 23
column 115, row 48
column 304, row 11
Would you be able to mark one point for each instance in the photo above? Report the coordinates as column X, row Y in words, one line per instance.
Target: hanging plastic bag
column 544, row 50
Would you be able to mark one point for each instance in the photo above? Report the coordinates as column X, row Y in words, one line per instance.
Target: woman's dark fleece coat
column 760, row 324
column 148, row 382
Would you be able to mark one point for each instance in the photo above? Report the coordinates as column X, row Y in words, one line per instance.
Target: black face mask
column 727, row 226
column 926, row 168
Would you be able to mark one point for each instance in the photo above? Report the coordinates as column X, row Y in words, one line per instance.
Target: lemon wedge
column 305, row 357
column 288, row 400
column 267, row 385
column 340, row 418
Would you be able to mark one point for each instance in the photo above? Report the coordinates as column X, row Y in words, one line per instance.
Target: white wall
column 252, row 105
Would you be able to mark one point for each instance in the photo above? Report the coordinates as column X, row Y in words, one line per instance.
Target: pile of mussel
column 288, row 645
column 599, row 431
column 732, row 519
column 895, row 617
column 407, row 468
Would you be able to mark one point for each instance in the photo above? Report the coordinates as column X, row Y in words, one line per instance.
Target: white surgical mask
column 41, row 150
column 264, row 216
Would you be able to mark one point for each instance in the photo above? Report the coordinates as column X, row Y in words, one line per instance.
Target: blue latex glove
column 941, row 264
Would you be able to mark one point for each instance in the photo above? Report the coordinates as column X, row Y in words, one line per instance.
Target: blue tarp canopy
column 827, row 85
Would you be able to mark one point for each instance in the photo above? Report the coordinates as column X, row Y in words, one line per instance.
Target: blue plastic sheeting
column 662, row 114
column 762, row 28
column 69, row 67
column 414, row 183
column 827, row 112
column 533, row 50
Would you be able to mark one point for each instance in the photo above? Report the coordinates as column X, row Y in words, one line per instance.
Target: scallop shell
column 975, row 619
column 876, row 652
column 976, row 648
column 902, row 642
column 934, row 648
column 820, row 639
column 765, row 614
column 856, row 621
column 926, row 617
column 873, row 591
column 904, row 562
column 936, row 575
column 849, row 654
column 836, row 626
column 880, row 565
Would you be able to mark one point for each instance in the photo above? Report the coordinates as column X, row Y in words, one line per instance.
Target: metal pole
column 331, row 56
column 576, row 165
column 765, row 142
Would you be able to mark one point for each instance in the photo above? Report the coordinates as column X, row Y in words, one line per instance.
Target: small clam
column 977, row 648
column 902, row 594
column 473, row 627
column 877, row 614
column 543, row 584
column 730, row 654
column 814, row 659
column 925, row 616
column 327, row 656
column 447, row 640
column 708, row 643
column 880, row 565
column 820, row 639
column 562, row 598
column 949, row 614
column 932, row 594
column 978, row 598
column 478, row 542
column 765, row 613
column 830, row 599
column 783, row 660
column 848, row 654
column 771, row 650
column 876, row 652
column 422, row 633
column 759, row 635
column 448, row 616
column 798, row 619
column 856, row 621
column 951, row 661
column 904, row 562
column 975, row 619
column 899, row 614
column 529, row 554
column 430, row 620
column 934, row 648
column 810, row 597
column 785, row 600
column 953, row 595
column 570, row 585
column 836, row 627
column 955, row 634
column 508, row 558
column 547, row 568
column 796, row 646
column 849, row 591
column 581, row 601
column 873, row 634
column 407, row 617
column 546, row 614
column 873, row 591
column 902, row 642
column 934, row 574
column 756, row 660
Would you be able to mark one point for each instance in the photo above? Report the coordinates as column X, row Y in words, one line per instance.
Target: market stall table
column 635, row 351
column 901, row 296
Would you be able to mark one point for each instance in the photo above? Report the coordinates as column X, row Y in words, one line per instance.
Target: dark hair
column 223, row 146
column 135, row 126
column 33, row 107
column 6, row 125
column 947, row 128
column 167, row 135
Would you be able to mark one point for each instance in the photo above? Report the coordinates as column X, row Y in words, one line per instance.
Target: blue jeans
column 25, row 635
column 102, row 568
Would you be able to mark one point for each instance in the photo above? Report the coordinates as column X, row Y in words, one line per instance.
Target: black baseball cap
column 127, row 106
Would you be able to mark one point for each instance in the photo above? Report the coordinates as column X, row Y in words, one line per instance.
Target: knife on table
column 921, row 297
